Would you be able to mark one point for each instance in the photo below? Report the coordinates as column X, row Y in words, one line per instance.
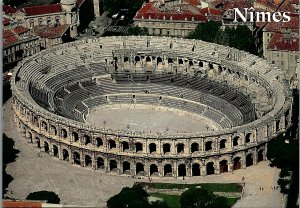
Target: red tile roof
column 9, row 38
column 51, row 32
column 230, row 4
column 43, row 9
column 9, row 9
column 284, row 42
column 6, row 21
column 79, row 2
column 194, row 2
column 148, row 10
column 286, row 6
column 20, row 29
column 277, row 26
column 211, row 11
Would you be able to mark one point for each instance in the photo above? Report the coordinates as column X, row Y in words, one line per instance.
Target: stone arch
column 235, row 141
column 223, row 143
column 126, row 167
column 113, row 165
column 166, row 148
column 153, row 169
column 237, row 164
column 111, row 144
column 168, row 170
column 63, row 133
column 88, row 161
column 180, row 148
column 137, row 59
column 65, row 154
column 201, row 64
column 125, row 146
column 196, row 169
column 180, row 61
column 170, row 60
column 194, row 147
column 138, row 147
column 182, row 170
column 277, row 125
column 53, row 130
column 159, row 60
column 208, row 146
column 210, row 169
column 152, row 148
column 44, row 126
column 86, row 139
column 75, row 136
column 260, row 155
column 139, row 169
column 100, row 163
column 248, row 138
column 249, row 160
column 55, row 151
column 99, row 142
column 223, row 166
column 38, row 142
column 76, row 157
column 46, row 147
column 148, row 59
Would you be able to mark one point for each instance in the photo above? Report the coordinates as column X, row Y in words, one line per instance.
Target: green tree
column 48, row 196
column 134, row 197
column 206, row 32
column 136, row 30
column 9, row 156
column 196, row 198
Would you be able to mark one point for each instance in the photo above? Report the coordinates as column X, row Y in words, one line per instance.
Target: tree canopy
column 240, row 37
column 202, row 198
column 136, row 30
column 9, row 155
column 48, row 196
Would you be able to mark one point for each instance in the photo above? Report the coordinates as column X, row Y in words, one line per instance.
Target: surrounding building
column 29, row 29
column 18, row 43
column 174, row 18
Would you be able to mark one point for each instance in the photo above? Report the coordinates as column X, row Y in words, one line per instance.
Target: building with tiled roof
column 281, row 46
column 51, row 36
column 67, row 12
column 18, row 43
column 173, row 18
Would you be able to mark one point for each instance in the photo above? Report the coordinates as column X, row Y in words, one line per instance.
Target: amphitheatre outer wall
column 201, row 153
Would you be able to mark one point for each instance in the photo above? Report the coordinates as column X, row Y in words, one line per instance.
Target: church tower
column 69, row 6
column 96, row 4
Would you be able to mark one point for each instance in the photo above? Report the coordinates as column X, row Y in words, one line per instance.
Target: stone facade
column 142, row 154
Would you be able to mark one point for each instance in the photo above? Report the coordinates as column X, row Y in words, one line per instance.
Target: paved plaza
column 86, row 187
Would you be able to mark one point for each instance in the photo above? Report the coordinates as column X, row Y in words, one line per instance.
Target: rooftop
column 51, row 32
column 180, row 12
column 43, row 9
column 284, row 42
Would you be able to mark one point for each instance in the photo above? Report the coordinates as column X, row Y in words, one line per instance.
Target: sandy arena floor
column 149, row 120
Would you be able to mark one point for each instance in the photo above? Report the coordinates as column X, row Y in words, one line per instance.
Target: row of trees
column 137, row 197
column 9, row 156
column 240, row 37
column 283, row 152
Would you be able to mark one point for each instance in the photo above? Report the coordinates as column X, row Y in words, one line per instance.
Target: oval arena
column 151, row 106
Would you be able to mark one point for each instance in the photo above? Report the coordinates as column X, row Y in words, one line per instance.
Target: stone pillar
column 96, row 4
column 203, row 169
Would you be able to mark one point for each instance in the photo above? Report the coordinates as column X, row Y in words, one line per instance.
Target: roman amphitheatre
column 151, row 106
